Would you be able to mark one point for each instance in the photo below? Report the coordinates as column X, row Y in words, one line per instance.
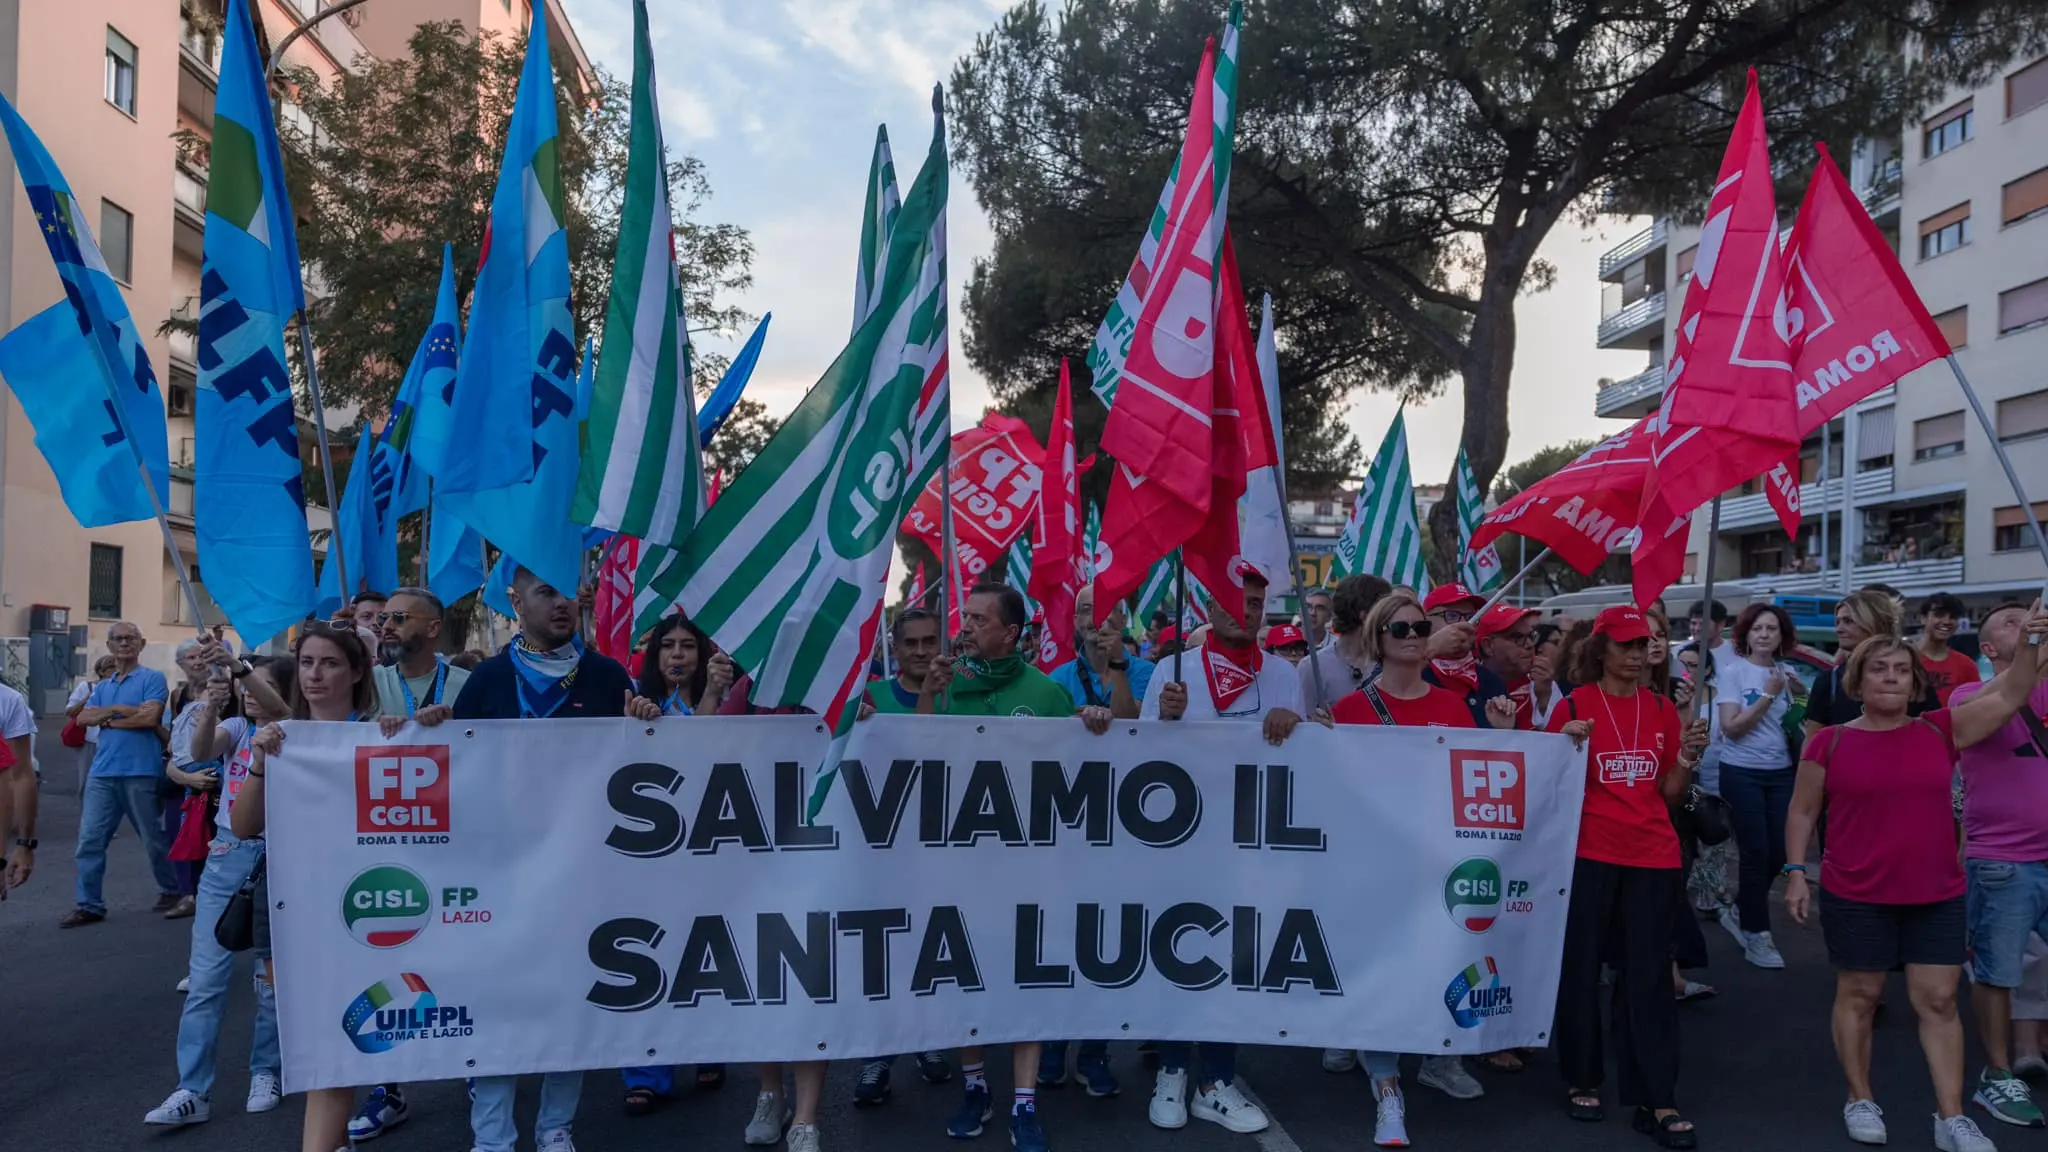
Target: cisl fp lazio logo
column 386, row 906
column 1472, row 894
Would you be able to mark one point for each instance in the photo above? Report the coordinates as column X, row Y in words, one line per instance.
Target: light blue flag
column 249, row 501
column 455, row 556
column 585, row 381
column 355, row 527
column 519, row 368
column 79, row 366
column 719, row 404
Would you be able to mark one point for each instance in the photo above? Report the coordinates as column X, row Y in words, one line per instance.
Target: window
column 2010, row 531
column 2025, row 198
column 1875, row 433
column 1938, row 436
column 2026, row 89
column 1683, row 266
column 117, row 240
column 1955, row 326
column 1945, row 231
column 1918, row 532
column 120, row 72
column 1946, row 130
column 2023, row 417
column 2023, row 307
column 103, row 583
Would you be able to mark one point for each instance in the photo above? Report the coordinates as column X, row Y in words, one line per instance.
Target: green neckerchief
column 977, row 676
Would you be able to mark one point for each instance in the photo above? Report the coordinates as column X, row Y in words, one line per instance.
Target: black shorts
column 1863, row 937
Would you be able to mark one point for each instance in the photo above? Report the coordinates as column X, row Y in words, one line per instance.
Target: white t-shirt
column 181, row 733
column 1274, row 686
column 80, row 693
column 1763, row 746
column 235, row 772
column 15, row 718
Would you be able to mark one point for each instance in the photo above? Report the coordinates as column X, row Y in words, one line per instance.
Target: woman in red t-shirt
column 1892, row 886
column 1626, row 882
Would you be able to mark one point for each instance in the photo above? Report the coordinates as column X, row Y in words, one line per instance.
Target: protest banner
column 507, row 897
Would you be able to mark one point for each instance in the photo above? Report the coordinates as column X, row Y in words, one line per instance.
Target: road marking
column 1275, row 1137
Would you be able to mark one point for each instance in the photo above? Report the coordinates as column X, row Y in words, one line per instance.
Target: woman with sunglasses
column 1396, row 635
column 1625, row 883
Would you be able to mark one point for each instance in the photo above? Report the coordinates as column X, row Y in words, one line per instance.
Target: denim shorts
column 2007, row 901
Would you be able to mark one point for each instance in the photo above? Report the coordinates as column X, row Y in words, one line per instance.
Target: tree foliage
column 1399, row 161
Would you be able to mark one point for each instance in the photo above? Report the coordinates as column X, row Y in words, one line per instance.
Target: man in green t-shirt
column 914, row 638
column 988, row 676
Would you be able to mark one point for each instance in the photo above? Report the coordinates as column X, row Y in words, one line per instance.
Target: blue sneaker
column 1052, row 1066
column 933, row 1067
column 384, row 1110
column 1025, row 1133
column 974, row 1114
column 1095, row 1076
column 871, row 1087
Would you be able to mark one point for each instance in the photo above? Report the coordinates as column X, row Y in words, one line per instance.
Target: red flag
column 1587, row 510
column 1730, row 411
column 996, row 477
column 1857, row 324
column 918, row 592
column 717, row 486
column 1059, row 563
column 612, row 614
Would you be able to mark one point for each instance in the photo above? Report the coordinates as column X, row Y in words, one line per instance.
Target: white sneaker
column 184, row 984
column 1390, row 1123
column 1865, row 1122
column 180, row 1108
column 1169, row 1108
column 1960, row 1134
column 1340, row 1059
column 803, row 1138
column 556, row 1141
column 264, row 1092
column 771, row 1116
column 1225, row 1104
column 1762, row 951
column 1447, row 1075
column 1732, row 924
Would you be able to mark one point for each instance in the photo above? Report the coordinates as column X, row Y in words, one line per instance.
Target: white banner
column 522, row 896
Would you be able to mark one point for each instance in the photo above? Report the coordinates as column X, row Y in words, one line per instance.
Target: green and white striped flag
column 1156, row 595
column 788, row 569
column 642, row 473
column 1383, row 537
column 1479, row 571
column 876, row 221
column 1091, row 542
column 1017, row 573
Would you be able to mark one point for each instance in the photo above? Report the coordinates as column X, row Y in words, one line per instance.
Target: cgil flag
column 1585, row 511
column 1478, row 567
column 248, row 494
column 79, row 367
column 1057, row 545
column 643, row 469
column 877, row 224
column 788, row 570
column 1383, row 537
column 719, row 405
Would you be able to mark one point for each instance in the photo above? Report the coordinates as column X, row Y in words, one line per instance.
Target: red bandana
column 1230, row 672
column 1460, row 676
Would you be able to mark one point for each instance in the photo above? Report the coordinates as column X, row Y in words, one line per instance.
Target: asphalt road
column 89, row 1016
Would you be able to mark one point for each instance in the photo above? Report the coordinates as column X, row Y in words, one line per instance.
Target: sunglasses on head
column 1403, row 629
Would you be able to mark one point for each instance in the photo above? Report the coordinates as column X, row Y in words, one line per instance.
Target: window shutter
column 2022, row 306
column 1955, row 326
column 1936, row 431
column 2027, row 88
column 1940, row 220
column 2023, row 415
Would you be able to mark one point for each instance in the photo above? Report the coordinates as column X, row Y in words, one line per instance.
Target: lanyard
column 675, row 706
column 433, row 697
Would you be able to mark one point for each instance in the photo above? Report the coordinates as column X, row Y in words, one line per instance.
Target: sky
column 780, row 99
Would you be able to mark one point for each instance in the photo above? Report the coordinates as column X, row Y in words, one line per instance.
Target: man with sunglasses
column 2005, row 818
column 1507, row 648
column 1452, row 610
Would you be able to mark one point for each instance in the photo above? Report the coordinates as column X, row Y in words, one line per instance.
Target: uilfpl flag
column 248, row 494
column 522, row 348
column 787, row 571
column 492, row 429
column 643, row 473
column 79, row 367
column 1383, row 537
column 719, row 405
column 877, row 224
column 1478, row 568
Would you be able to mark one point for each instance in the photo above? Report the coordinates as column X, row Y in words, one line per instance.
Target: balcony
column 1632, row 249
column 1878, row 399
column 183, row 339
column 1871, row 486
column 1755, row 511
column 1881, row 198
column 1633, row 398
column 1911, row 576
column 1635, row 325
column 188, row 199
column 198, row 73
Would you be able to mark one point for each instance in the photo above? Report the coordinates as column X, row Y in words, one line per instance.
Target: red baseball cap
column 1621, row 623
column 1281, row 635
column 1246, row 570
column 1166, row 635
column 1445, row 595
column 1499, row 619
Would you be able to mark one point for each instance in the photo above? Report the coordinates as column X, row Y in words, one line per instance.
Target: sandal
column 1505, row 1060
column 640, row 1101
column 1665, row 1130
column 710, row 1076
column 1585, row 1105
column 1696, row 991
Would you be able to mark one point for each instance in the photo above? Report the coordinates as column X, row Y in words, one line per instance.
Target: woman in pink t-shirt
column 1891, row 880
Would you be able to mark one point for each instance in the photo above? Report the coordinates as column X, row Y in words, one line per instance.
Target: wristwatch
column 26, row 842
column 242, row 669
column 1119, row 665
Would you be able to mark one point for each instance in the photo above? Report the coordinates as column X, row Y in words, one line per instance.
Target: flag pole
column 1707, row 685
column 1180, row 610
column 2012, row 475
column 1514, row 581
column 334, row 550
column 426, row 526
column 946, row 558
column 490, row 617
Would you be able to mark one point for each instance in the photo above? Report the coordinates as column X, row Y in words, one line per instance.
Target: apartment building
column 107, row 85
column 1905, row 488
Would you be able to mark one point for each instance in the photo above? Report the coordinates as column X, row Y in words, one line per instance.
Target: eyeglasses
column 1525, row 639
column 1453, row 615
column 123, row 638
column 1403, row 629
column 399, row 618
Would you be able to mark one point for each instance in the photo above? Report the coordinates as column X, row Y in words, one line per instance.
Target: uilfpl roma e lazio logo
column 1472, row 894
column 1478, row 994
column 391, row 1012
column 386, row 906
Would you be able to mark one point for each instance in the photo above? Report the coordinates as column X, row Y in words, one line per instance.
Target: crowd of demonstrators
column 1893, row 890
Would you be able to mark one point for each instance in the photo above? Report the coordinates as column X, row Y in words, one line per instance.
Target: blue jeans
column 1758, row 799
column 490, row 1109
column 1053, row 1053
column 213, row 974
column 2007, row 902
column 1381, row 1065
column 107, row 800
column 1219, row 1061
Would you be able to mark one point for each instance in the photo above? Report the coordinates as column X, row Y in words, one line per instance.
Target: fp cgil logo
column 402, row 793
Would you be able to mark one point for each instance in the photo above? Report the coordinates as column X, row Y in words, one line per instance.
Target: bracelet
column 1788, row 869
column 255, row 773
